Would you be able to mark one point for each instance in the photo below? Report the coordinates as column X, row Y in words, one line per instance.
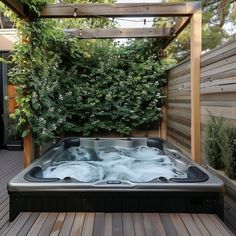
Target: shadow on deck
column 107, row 224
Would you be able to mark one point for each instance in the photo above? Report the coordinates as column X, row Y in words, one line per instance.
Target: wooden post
column 28, row 149
column 11, row 92
column 164, row 118
column 196, row 47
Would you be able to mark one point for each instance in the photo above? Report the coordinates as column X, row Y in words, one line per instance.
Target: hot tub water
column 138, row 164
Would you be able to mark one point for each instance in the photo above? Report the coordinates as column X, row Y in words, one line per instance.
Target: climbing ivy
column 66, row 84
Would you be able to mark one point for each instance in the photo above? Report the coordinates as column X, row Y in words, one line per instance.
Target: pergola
column 186, row 13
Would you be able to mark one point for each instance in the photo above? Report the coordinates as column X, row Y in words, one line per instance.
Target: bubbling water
column 139, row 164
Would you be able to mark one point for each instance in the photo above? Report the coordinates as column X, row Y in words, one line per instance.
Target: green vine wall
column 66, row 84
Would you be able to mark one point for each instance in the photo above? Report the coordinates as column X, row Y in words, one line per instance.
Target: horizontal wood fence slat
column 218, row 94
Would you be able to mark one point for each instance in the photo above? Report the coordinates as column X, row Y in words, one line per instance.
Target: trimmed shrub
column 213, row 140
column 228, row 150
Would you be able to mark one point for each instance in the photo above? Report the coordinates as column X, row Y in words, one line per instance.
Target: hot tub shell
column 201, row 192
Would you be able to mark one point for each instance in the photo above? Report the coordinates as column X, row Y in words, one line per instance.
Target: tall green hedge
column 84, row 85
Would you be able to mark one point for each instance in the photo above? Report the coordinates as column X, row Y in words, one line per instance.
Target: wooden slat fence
column 218, row 94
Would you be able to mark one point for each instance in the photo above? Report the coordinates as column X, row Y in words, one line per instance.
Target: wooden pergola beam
column 178, row 28
column 17, row 6
column 120, row 10
column 120, row 33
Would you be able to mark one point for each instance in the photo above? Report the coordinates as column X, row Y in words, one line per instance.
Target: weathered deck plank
column 230, row 213
column 99, row 224
column 11, row 163
column 105, row 224
column 78, row 224
column 58, row 224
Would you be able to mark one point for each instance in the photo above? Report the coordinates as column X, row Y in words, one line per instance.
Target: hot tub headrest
column 71, row 142
column 155, row 142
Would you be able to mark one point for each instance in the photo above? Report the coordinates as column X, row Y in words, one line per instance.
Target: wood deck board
column 179, row 225
column 11, row 163
column 154, row 224
column 58, row 224
column 4, row 221
column 230, row 213
column 211, row 227
column 108, row 224
column 138, row 225
column 158, row 224
column 48, row 224
column 67, row 224
column 190, row 225
column 117, row 227
column 19, row 223
column 88, row 224
column 229, row 222
column 99, row 224
column 77, row 226
column 168, row 224
column 200, row 225
column 128, row 224
column 28, row 224
column 215, row 220
column 105, row 224
column 37, row 226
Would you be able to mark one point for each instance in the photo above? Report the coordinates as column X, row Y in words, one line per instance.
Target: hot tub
column 115, row 175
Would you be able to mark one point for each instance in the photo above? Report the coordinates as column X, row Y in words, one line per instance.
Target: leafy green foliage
column 228, row 149
column 221, row 145
column 213, row 141
column 216, row 18
column 112, row 88
column 83, row 85
column 36, row 75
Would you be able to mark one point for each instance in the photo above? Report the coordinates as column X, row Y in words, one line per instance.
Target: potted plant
column 14, row 141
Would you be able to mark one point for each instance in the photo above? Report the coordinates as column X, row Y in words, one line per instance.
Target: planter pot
column 15, row 146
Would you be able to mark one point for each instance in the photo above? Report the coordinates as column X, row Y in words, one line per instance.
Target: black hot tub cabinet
column 199, row 192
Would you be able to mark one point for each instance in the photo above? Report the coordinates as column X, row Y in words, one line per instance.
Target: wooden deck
column 10, row 164
column 105, row 224
column 116, row 224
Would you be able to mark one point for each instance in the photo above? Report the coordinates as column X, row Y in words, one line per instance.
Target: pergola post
column 28, row 149
column 196, row 47
column 163, row 126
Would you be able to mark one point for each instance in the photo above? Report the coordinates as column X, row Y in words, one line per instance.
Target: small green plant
column 228, row 149
column 213, row 140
